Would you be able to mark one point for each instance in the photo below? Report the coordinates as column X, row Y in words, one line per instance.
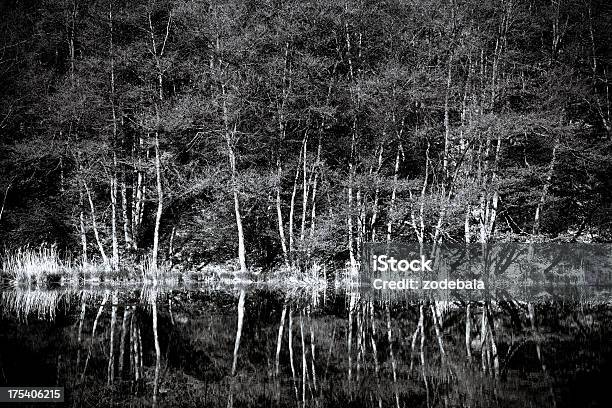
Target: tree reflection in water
column 240, row 347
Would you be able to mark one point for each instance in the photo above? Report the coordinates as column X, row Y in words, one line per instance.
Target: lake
column 243, row 346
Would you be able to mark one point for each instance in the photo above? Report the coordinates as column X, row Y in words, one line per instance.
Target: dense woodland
column 279, row 132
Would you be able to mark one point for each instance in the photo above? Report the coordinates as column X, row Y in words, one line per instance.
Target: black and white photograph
column 306, row 203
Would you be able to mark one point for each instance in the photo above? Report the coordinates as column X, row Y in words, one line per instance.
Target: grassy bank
column 39, row 264
column 45, row 266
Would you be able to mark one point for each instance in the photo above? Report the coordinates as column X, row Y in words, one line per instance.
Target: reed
column 291, row 277
column 43, row 265
column 150, row 272
column 27, row 264
column 23, row 302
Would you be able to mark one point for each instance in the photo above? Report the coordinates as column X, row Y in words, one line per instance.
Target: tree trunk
column 466, row 227
column 127, row 237
column 312, row 353
column 80, row 332
column 436, row 324
column 304, row 193
column 134, row 346
column 393, row 193
column 95, row 225
column 293, row 195
column 349, row 339
column 171, row 243
column 82, row 228
column 158, row 53
column 230, row 133
column 157, row 352
column 313, row 200
column 545, row 188
column 376, row 194
column 138, row 192
column 115, row 245
column 111, row 353
column 93, row 334
column 447, row 132
column 160, row 205
column 392, row 357
column 468, row 332
column 290, row 343
column 349, row 224
column 4, row 200
column 495, row 200
column 282, row 128
column 113, row 181
column 241, row 248
column 361, row 224
column 304, row 377
column 279, row 215
column 238, row 330
column 313, row 210
column 351, row 175
column 279, row 340
column 124, row 328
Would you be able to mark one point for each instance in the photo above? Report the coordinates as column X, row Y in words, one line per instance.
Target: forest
column 290, row 133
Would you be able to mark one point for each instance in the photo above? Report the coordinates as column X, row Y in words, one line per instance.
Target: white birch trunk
column 160, row 205
column 279, row 215
column 95, row 224
column 238, row 330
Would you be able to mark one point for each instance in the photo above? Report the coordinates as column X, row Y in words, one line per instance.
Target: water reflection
column 238, row 346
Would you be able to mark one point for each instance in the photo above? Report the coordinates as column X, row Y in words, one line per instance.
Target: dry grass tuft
column 39, row 264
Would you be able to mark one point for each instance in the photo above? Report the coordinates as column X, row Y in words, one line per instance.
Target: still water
column 253, row 346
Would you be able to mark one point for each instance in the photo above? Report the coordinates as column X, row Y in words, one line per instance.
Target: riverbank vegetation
column 150, row 136
column 45, row 267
